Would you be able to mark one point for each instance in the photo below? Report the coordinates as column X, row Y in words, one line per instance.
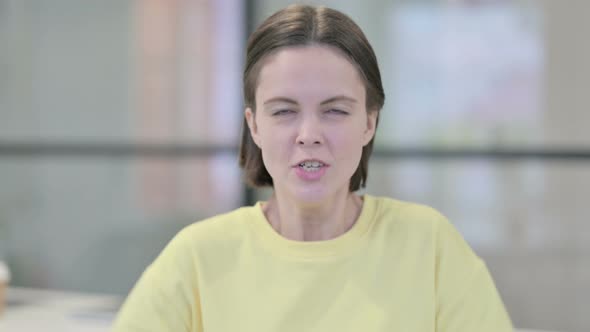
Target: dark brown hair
column 302, row 25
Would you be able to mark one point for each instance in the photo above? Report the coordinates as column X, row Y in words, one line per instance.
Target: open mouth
column 311, row 166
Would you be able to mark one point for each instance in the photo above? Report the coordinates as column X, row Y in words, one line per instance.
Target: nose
column 310, row 132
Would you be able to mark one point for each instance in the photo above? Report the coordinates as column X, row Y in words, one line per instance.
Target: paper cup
column 4, row 281
column 3, row 287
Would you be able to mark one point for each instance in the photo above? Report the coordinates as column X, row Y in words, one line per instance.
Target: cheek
column 275, row 140
column 275, row 148
column 348, row 145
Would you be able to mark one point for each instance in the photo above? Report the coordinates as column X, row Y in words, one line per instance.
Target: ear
column 371, row 125
column 251, row 120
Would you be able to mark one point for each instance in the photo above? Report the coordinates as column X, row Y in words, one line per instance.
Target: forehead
column 308, row 73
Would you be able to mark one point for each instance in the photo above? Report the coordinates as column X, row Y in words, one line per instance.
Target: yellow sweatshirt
column 401, row 267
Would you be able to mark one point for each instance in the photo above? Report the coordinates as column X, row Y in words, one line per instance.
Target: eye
column 282, row 112
column 336, row 111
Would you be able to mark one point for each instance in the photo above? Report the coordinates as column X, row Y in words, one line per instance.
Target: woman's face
column 311, row 122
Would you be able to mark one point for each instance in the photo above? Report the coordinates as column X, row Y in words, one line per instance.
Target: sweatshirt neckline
column 337, row 246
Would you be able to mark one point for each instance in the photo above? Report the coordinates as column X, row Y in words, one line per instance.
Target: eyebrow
column 327, row 101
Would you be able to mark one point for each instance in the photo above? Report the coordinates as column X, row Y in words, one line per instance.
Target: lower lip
column 310, row 176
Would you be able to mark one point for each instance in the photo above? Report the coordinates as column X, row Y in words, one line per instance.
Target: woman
column 315, row 256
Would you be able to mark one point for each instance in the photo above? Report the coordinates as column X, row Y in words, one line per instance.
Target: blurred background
column 120, row 120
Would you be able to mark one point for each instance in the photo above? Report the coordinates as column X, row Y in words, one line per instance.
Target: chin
column 311, row 195
column 316, row 194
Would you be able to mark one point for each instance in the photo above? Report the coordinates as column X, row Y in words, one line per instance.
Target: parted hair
column 303, row 25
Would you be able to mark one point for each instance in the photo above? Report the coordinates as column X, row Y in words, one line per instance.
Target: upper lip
column 311, row 159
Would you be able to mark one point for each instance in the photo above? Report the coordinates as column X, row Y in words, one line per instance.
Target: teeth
column 311, row 166
column 314, row 164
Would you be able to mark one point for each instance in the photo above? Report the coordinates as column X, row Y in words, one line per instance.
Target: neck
column 315, row 222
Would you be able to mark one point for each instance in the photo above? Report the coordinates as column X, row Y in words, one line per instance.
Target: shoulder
column 416, row 222
column 214, row 238
column 217, row 237
column 426, row 227
column 398, row 213
column 217, row 229
column 219, row 224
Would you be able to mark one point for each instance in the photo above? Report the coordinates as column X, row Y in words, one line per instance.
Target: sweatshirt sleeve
column 166, row 297
column 466, row 298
